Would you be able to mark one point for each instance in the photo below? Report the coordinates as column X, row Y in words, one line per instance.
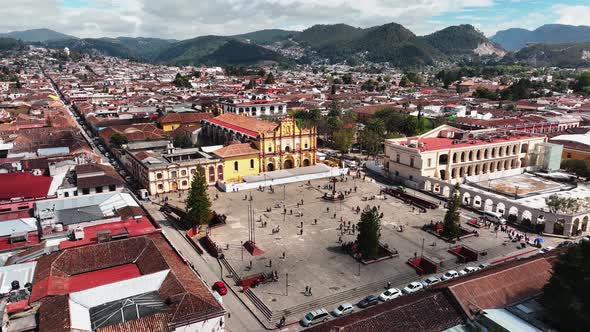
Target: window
column 183, row 172
column 397, row 158
column 429, row 162
column 252, row 163
column 305, row 145
column 272, row 108
column 411, row 162
column 280, row 108
column 193, row 171
column 287, row 149
column 99, row 189
column 569, row 156
column 173, row 174
column 184, row 183
column 66, row 194
column 75, row 192
column 235, row 166
column 211, row 174
column 159, row 176
column 241, row 110
column 220, row 172
column 270, row 149
column 112, row 187
column 160, row 187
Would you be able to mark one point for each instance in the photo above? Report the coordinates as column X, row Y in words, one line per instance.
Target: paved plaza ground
column 315, row 258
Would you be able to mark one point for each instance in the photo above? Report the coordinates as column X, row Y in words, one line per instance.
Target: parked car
column 430, row 281
column 390, row 294
column 368, row 301
column 343, row 309
column 413, row 287
column 449, row 275
column 313, row 317
column 219, row 287
column 545, row 249
column 468, row 269
column 483, row 265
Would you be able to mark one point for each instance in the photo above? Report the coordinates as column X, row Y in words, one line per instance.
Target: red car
column 219, row 287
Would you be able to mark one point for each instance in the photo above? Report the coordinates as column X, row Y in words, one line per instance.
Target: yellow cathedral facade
column 282, row 145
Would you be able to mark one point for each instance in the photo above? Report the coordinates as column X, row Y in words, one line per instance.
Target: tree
column 579, row 167
column 343, row 140
column 566, row 297
column 368, row 236
column 347, row 78
column 181, row 81
column 415, row 78
column 557, row 204
column 270, row 79
column 452, row 220
column 404, row 82
column 371, row 141
column 333, row 92
column 198, row 206
column 582, row 83
column 118, row 140
column 183, row 141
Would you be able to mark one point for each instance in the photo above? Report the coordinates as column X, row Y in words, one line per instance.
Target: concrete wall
column 254, row 185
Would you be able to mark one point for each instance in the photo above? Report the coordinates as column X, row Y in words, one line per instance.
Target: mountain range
column 390, row 43
column 36, row 35
column 549, row 45
column 515, row 39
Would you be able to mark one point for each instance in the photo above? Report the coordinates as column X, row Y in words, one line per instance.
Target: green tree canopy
column 452, row 220
column 183, row 141
column 343, row 140
column 579, row 167
column 270, row 79
column 405, row 82
column 118, row 140
column 182, row 81
column 566, row 297
column 368, row 235
column 198, row 206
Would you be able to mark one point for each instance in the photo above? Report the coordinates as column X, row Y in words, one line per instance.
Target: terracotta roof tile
column 234, row 150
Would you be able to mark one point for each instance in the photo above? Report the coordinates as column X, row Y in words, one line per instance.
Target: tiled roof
column 246, row 125
column 500, row 288
column 108, row 177
column 23, row 185
column 234, row 150
column 424, row 311
column 187, row 298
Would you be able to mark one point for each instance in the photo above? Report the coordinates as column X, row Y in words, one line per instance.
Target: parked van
column 314, row 317
column 494, row 217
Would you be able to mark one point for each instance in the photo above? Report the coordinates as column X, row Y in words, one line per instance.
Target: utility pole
column 287, row 284
column 422, row 251
column 242, row 249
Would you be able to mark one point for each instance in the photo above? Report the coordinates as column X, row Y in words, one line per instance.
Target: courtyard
column 310, row 238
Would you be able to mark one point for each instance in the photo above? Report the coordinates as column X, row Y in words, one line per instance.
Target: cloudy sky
column 181, row 19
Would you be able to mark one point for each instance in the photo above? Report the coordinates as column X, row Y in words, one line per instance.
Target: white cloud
column 188, row 18
column 574, row 15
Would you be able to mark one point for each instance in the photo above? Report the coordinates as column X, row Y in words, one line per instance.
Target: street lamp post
column 242, row 249
column 287, row 284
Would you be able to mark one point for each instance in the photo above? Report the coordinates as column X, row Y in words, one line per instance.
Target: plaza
column 315, row 258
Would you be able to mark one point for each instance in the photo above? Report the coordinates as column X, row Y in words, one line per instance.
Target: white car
column 449, row 275
column 413, row 287
column 343, row 309
column 390, row 294
column 430, row 281
column 545, row 249
column 468, row 269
